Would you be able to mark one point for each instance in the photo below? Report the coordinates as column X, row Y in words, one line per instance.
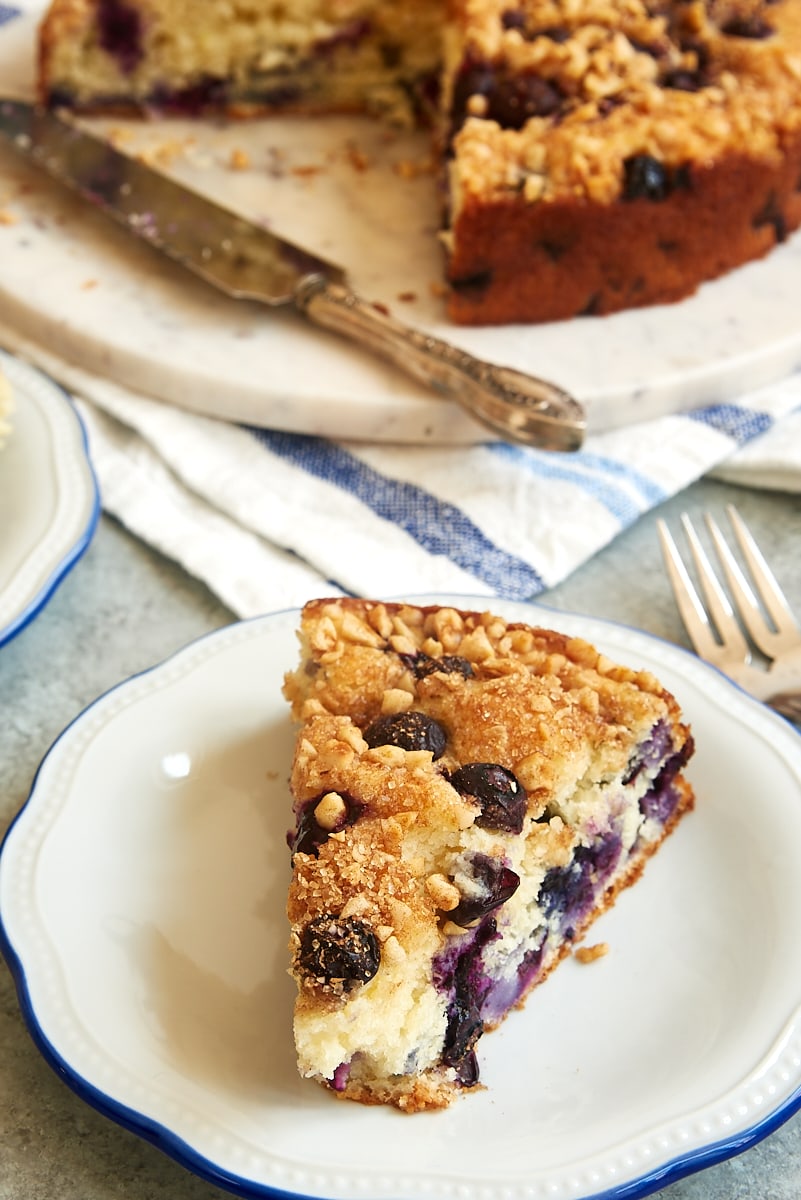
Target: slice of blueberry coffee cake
column 469, row 794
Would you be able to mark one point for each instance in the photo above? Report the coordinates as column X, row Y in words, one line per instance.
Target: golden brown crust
column 515, row 262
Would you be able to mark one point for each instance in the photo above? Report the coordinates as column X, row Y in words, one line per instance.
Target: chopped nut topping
column 330, row 811
column 443, row 892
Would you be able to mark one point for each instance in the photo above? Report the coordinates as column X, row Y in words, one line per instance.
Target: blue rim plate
column 142, row 892
column 49, row 497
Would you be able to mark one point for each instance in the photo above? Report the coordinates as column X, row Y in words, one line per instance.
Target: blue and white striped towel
column 269, row 519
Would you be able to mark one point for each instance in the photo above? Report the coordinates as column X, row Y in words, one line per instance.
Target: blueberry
column 514, row 100
column 645, row 177
column 309, row 835
column 512, row 18
column 498, row 883
column 498, row 793
column 771, row 214
column 748, row 27
column 338, row 953
column 682, row 80
column 450, row 664
column 462, row 977
column 465, row 1027
column 473, row 286
column 409, row 730
column 120, row 33
column 510, row 100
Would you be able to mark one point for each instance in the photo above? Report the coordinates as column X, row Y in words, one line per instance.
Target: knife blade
column 248, row 262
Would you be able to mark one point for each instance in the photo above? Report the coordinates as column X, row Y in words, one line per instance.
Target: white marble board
column 92, row 295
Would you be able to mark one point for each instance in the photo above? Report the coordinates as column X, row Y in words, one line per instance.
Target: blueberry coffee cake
column 596, row 155
column 469, row 794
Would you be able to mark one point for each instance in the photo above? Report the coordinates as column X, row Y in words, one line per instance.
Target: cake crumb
column 357, row 158
column 239, row 159
column 588, row 954
column 408, row 168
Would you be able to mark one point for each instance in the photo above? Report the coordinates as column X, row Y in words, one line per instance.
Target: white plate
column 48, row 495
column 115, row 309
column 142, row 895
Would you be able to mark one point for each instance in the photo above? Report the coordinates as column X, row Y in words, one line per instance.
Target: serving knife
column 249, row 262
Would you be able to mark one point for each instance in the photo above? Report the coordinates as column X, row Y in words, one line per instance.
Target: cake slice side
column 239, row 57
column 469, row 796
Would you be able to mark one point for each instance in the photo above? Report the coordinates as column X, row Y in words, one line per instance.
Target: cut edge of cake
column 469, row 795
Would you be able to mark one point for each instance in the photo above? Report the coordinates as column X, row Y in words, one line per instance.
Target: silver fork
column 718, row 628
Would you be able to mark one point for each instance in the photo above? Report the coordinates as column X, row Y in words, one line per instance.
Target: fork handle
column 788, row 704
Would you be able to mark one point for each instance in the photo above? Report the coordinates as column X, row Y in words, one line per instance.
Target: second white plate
column 142, row 895
column 49, row 502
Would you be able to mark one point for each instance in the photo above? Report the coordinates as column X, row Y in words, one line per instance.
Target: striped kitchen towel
column 268, row 519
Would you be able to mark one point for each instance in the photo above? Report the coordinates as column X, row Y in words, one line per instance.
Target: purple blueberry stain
column 203, row 96
column 650, row 752
column 568, row 893
column 339, row 1079
column 459, row 974
column 120, row 33
column 660, row 801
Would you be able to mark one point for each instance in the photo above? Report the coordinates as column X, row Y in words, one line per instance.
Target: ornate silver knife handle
column 514, row 406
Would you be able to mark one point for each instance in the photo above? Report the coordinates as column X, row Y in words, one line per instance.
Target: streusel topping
column 554, row 99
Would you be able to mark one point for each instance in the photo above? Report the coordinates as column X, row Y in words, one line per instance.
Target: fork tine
column 744, row 599
column 787, row 635
column 718, row 604
column 692, row 611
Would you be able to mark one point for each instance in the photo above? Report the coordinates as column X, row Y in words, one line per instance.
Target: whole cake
column 469, row 795
column 596, row 154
